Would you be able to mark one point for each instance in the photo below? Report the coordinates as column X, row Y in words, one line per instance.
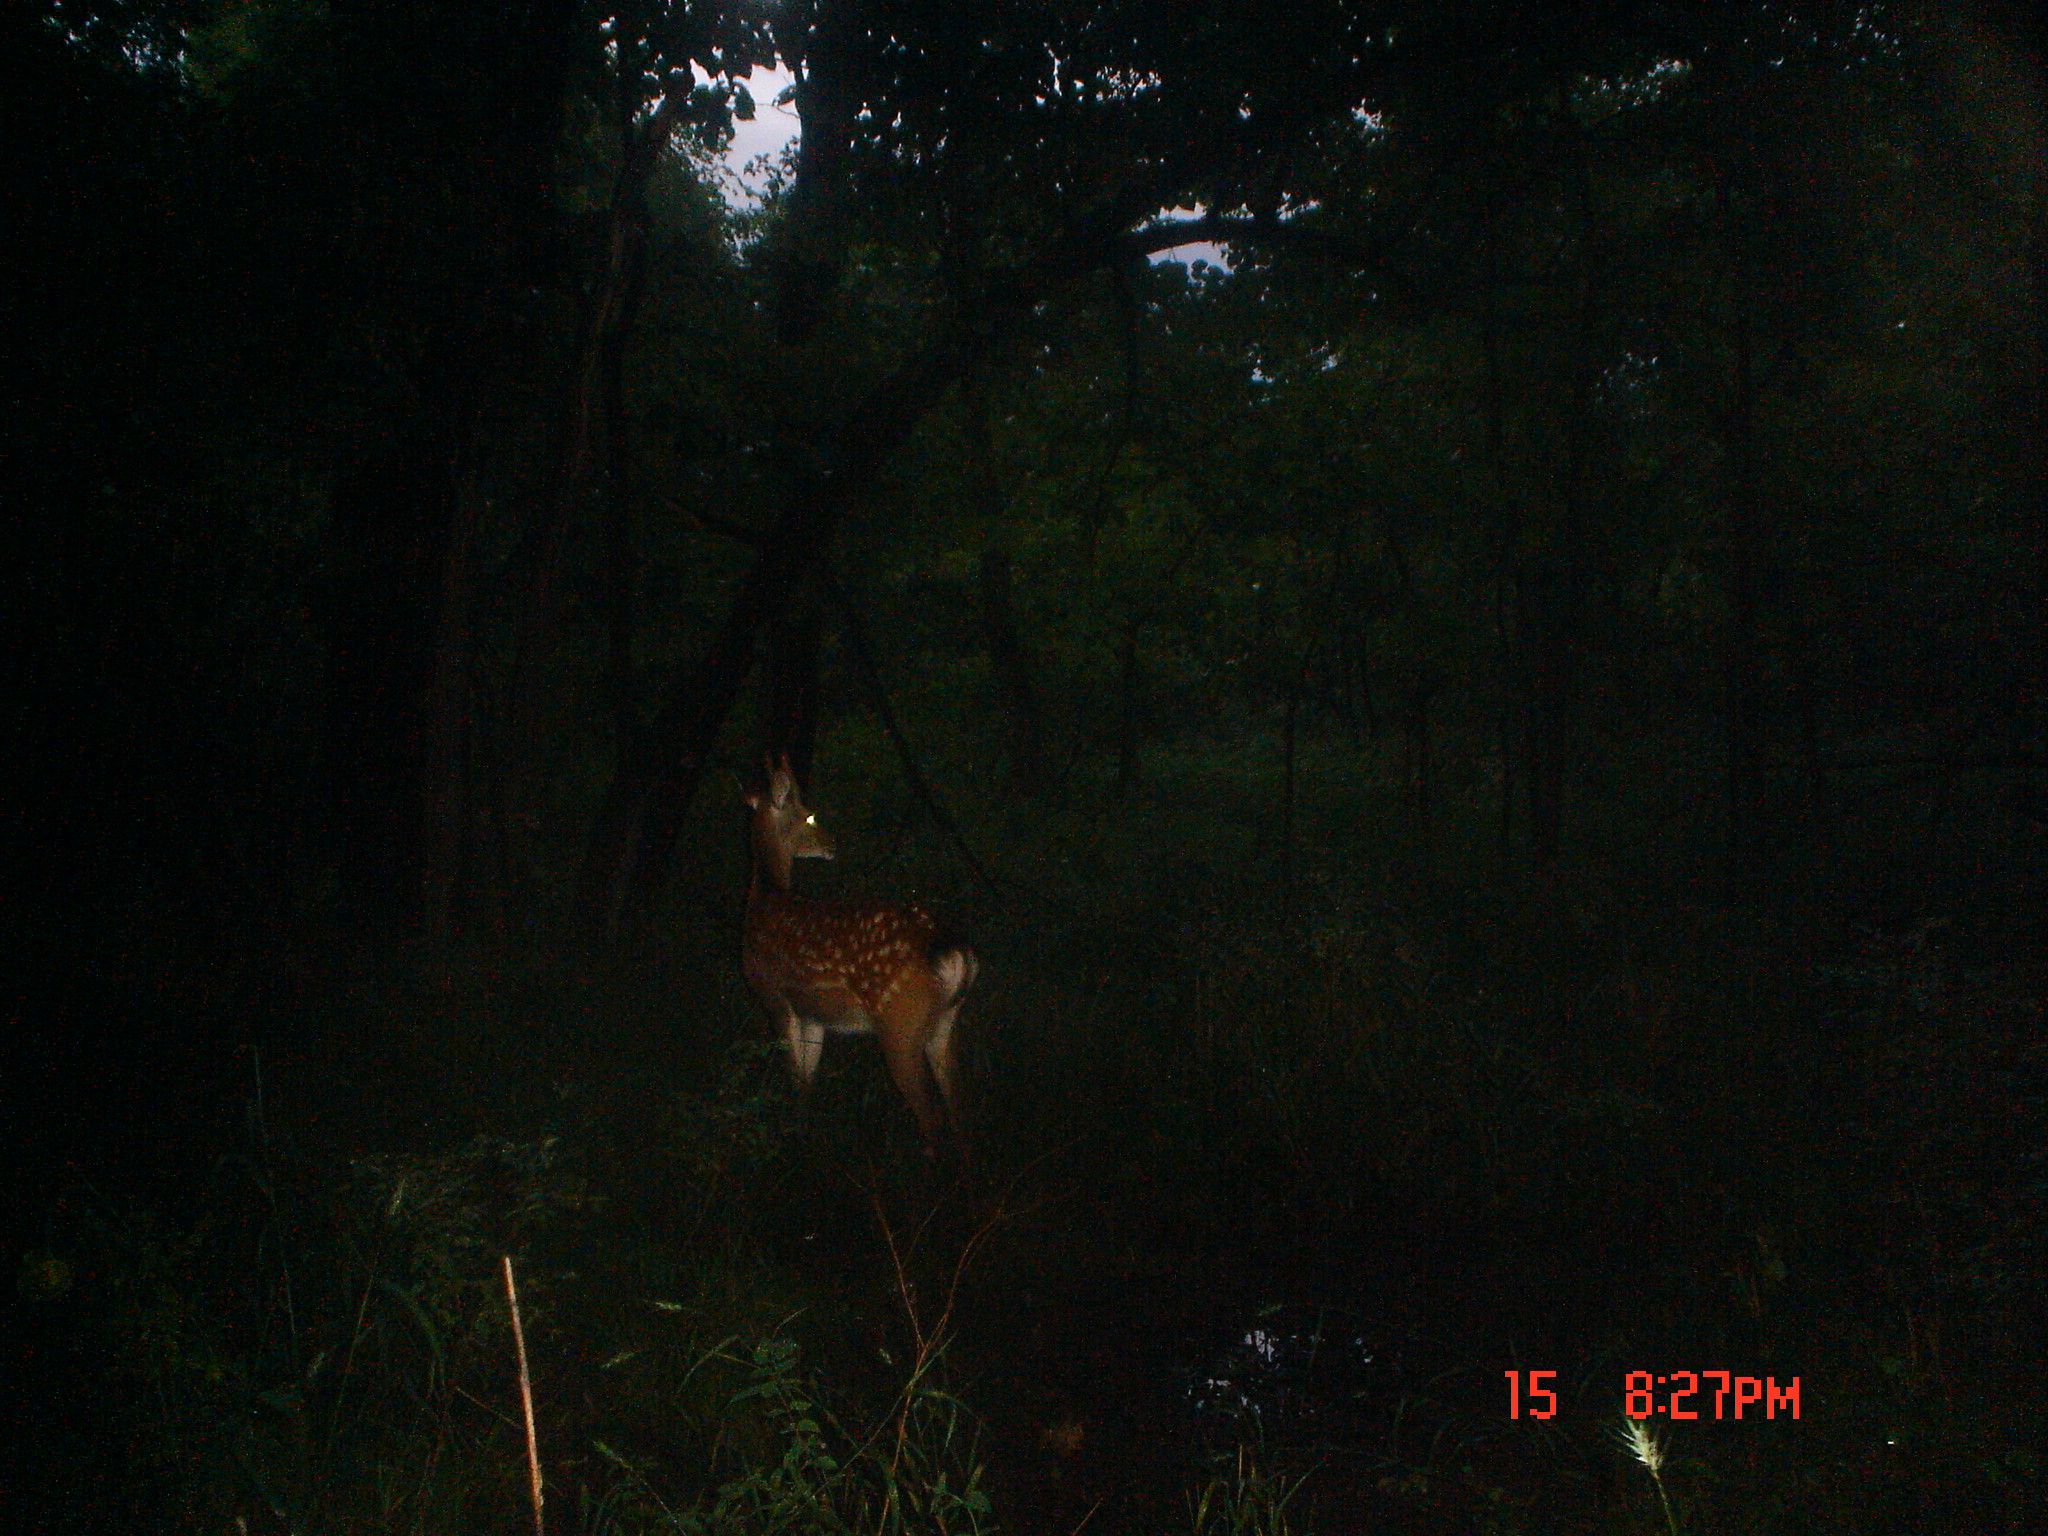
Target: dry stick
column 929, row 1343
column 525, row 1398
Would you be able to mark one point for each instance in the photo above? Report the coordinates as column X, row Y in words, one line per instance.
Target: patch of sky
column 1195, row 253
column 748, row 164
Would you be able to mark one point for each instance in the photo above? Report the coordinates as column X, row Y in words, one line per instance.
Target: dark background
column 1490, row 742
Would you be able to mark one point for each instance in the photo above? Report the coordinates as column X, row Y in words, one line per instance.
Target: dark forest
column 1199, row 768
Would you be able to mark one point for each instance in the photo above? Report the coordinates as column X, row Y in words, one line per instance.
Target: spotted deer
column 850, row 967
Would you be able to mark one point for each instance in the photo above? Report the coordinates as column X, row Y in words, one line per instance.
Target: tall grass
column 1585, row 1119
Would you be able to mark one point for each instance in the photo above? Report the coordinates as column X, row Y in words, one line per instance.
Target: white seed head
column 1641, row 1442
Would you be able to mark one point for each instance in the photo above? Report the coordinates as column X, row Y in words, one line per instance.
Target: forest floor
column 1268, row 1215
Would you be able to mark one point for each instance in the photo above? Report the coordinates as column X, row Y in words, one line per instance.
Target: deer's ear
column 753, row 799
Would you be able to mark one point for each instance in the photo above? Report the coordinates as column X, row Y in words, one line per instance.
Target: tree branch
column 857, row 641
column 1299, row 233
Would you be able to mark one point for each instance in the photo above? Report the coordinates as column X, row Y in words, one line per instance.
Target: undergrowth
column 1264, row 1197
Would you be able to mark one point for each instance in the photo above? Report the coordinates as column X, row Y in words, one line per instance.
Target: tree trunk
column 400, row 681
column 1127, row 709
column 620, row 559
column 395, row 516
column 1557, row 615
column 1420, row 759
column 660, row 769
column 855, row 633
column 1010, row 661
column 1289, row 741
column 1505, row 735
column 633, row 836
column 1806, row 701
column 450, row 728
column 816, row 42
column 2035, row 721
column 789, row 700
column 1741, row 665
column 1511, row 582
column 1558, row 589
column 596, row 382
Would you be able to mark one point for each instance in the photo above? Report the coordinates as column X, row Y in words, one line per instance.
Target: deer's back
column 864, row 948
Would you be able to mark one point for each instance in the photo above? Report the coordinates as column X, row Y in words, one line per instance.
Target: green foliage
column 1246, row 1499
column 717, row 1342
column 1537, row 666
column 304, row 1348
column 915, row 1474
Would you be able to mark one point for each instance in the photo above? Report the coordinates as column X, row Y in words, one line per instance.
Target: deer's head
column 784, row 827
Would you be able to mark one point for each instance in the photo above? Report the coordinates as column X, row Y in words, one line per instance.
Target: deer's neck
column 771, row 876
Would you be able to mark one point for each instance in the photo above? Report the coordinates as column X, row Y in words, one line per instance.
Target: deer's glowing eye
column 810, row 821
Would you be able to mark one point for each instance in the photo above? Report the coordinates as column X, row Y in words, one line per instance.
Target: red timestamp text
column 1682, row 1395
column 1678, row 1395
column 1533, row 1393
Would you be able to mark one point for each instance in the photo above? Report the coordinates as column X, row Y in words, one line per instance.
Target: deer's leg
column 811, row 1049
column 902, row 1034
column 954, row 971
column 806, row 1042
column 938, row 1055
